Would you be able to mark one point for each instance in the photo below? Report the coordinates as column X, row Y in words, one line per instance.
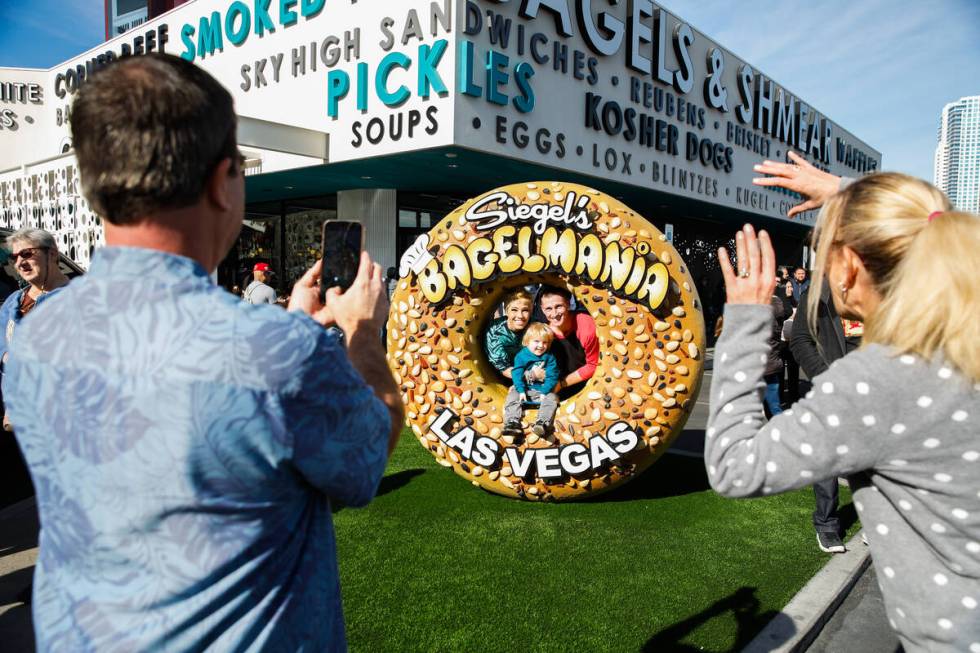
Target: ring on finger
column 744, row 273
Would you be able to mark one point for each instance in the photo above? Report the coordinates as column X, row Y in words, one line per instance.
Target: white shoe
column 830, row 543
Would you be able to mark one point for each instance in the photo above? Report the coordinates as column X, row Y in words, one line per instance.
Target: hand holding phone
column 364, row 303
column 341, row 246
column 362, row 306
column 323, row 292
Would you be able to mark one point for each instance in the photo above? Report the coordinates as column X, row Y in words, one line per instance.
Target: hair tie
column 934, row 215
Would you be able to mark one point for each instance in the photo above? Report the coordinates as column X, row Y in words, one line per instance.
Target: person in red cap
column 259, row 292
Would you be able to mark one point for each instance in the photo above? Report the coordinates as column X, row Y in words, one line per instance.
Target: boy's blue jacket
column 524, row 360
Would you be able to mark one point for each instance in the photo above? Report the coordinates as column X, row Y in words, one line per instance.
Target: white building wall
column 377, row 210
column 27, row 131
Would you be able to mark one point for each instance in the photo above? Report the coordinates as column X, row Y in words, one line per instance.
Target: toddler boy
column 537, row 340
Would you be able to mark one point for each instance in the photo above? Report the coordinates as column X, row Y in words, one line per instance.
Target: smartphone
column 342, row 243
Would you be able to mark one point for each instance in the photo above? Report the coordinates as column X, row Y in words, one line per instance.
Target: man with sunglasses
column 34, row 255
column 186, row 446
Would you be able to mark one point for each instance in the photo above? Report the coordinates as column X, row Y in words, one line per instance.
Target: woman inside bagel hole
column 504, row 335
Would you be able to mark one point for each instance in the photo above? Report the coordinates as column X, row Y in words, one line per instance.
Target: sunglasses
column 27, row 253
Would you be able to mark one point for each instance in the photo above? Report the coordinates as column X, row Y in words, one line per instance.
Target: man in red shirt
column 575, row 346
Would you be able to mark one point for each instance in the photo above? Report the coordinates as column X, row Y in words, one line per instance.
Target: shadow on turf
column 392, row 482
column 389, row 483
column 848, row 516
column 671, row 476
column 743, row 605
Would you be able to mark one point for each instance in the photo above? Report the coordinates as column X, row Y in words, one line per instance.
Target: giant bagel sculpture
column 619, row 267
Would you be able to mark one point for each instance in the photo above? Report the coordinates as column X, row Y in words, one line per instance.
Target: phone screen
column 342, row 242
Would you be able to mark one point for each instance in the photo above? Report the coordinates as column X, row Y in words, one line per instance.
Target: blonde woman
column 502, row 340
column 898, row 417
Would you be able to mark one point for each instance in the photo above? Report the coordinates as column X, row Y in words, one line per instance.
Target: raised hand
column 756, row 278
column 815, row 185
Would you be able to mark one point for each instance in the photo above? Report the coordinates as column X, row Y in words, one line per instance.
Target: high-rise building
column 956, row 168
column 123, row 15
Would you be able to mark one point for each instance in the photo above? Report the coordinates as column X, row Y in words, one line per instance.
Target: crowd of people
column 165, row 419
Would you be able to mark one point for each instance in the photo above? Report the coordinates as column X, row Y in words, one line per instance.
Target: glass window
column 425, row 220
column 407, row 219
column 126, row 6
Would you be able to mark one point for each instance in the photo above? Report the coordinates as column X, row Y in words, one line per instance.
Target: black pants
column 792, row 370
column 825, row 518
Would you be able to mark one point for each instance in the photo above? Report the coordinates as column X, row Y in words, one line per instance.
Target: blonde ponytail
column 934, row 305
column 925, row 269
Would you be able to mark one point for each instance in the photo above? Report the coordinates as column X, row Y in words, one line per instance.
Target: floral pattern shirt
column 186, row 448
column 10, row 313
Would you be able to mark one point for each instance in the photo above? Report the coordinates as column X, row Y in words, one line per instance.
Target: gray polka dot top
column 903, row 430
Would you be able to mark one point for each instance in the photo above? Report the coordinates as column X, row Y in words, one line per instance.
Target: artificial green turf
column 662, row 564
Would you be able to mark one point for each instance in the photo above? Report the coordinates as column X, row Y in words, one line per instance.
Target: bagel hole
column 498, row 316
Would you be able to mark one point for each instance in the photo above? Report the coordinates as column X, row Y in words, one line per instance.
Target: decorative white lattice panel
column 48, row 196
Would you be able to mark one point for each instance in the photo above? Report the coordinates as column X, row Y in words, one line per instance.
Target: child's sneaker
column 513, row 428
column 540, row 429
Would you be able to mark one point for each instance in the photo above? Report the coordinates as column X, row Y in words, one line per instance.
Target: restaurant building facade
column 395, row 113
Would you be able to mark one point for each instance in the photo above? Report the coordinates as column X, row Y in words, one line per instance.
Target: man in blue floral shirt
column 186, row 447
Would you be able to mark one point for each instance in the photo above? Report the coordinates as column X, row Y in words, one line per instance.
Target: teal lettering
column 338, row 83
column 523, row 72
column 263, row 21
column 286, row 15
column 362, row 86
column 209, row 35
column 238, row 8
column 429, row 59
column 187, row 37
column 466, row 84
column 496, row 77
column 401, row 94
column 310, row 8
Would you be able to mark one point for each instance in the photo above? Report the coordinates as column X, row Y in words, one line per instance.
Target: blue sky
column 882, row 69
column 43, row 33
